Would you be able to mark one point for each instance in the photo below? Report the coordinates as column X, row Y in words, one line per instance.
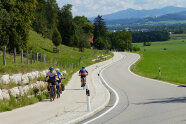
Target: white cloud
column 94, row 7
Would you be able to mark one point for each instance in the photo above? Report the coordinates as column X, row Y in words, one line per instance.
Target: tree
column 83, row 42
column 56, row 38
column 100, row 33
column 65, row 25
column 82, row 24
column 16, row 17
column 46, row 17
column 121, row 40
column 83, row 28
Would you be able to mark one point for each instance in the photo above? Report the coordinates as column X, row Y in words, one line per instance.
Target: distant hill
column 132, row 13
column 173, row 18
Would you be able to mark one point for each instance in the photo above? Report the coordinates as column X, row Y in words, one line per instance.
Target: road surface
column 142, row 100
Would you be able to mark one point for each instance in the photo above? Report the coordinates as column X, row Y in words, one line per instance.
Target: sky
column 91, row 8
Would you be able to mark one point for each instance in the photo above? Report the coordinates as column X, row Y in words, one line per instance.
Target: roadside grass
column 8, row 105
column 7, row 86
column 170, row 56
column 36, row 43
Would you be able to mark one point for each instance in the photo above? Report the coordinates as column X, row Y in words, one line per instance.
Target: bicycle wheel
column 58, row 92
column 51, row 93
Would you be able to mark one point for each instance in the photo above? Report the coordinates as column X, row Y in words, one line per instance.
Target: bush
column 56, row 38
column 135, row 48
column 147, row 43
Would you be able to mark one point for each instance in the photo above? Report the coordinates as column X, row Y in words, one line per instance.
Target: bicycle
column 52, row 97
column 58, row 91
column 63, row 87
column 83, row 83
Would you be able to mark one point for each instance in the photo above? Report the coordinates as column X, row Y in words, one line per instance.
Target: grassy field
column 67, row 55
column 37, row 43
column 169, row 55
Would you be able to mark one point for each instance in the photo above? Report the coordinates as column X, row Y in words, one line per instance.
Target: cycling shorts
column 52, row 81
column 59, row 81
column 83, row 76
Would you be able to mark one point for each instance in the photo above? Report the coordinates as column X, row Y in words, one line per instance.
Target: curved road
column 142, row 100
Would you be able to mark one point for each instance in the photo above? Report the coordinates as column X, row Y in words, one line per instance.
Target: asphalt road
column 142, row 100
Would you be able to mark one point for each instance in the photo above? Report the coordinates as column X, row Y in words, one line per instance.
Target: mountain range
column 168, row 15
column 132, row 13
column 174, row 18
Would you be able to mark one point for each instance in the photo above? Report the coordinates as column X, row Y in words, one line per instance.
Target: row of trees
column 174, row 28
column 150, row 36
column 120, row 40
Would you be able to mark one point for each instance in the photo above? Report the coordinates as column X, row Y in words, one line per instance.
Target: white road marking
column 116, row 94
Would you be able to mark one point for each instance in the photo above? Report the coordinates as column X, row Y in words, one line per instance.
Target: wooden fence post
column 34, row 57
column 22, row 56
column 31, row 56
column 37, row 56
column 14, row 55
column 27, row 57
column 4, row 56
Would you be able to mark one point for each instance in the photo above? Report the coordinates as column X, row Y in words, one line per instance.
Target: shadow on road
column 182, row 86
column 45, row 100
column 165, row 100
column 73, row 89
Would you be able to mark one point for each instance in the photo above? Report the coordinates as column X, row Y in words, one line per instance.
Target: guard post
column 88, row 98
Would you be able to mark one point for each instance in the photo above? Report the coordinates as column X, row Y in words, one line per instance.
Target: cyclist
column 51, row 78
column 83, row 73
column 59, row 78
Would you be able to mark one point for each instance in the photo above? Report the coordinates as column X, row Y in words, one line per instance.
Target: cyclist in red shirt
column 83, row 73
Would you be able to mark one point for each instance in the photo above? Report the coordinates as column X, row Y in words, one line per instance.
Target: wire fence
column 31, row 57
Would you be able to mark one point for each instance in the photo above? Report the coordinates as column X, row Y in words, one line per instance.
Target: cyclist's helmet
column 83, row 66
column 51, row 68
column 57, row 69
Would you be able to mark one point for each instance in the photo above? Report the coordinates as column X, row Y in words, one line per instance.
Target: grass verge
column 169, row 56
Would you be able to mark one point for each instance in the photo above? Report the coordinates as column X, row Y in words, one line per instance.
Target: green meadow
column 36, row 43
column 170, row 56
